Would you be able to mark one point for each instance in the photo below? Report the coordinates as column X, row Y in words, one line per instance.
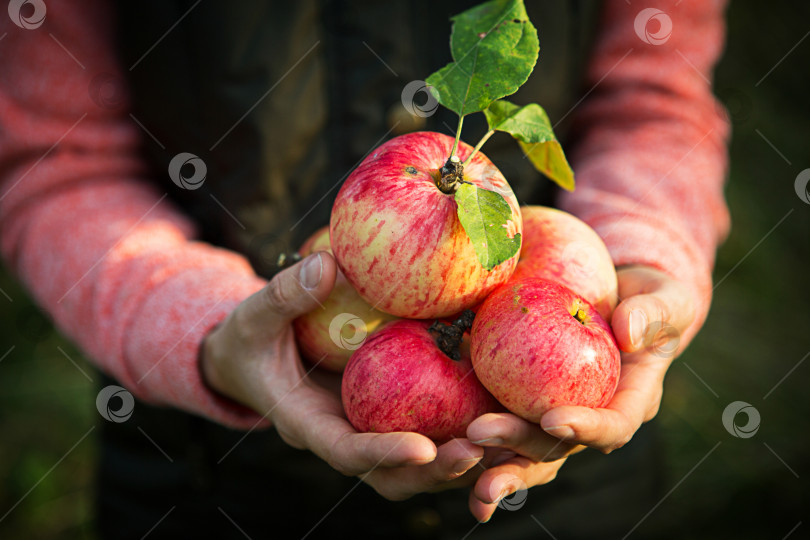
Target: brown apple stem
column 450, row 176
column 449, row 336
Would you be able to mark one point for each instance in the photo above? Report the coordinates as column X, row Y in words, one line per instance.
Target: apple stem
column 458, row 137
column 449, row 336
column 478, row 146
column 579, row 314
column 450, row 176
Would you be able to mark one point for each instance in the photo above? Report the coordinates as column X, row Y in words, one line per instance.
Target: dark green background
column 757, row 332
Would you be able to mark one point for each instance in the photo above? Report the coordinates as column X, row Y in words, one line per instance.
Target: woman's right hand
column 252, row 358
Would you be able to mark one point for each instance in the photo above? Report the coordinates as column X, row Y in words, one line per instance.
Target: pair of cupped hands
column 252, row 358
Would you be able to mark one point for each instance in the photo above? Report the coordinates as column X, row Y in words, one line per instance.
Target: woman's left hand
column 655, row 310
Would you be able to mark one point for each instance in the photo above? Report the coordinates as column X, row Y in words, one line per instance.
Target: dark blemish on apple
column 516, row 20
column 411, row 170
column 524, row 309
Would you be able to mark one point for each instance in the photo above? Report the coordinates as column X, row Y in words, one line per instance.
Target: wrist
column 209, row 371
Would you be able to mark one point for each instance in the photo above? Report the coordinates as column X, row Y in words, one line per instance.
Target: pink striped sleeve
column 100, row 249
column 651, row 156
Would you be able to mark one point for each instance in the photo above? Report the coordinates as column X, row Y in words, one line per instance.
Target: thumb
column 654, row 312
column 293, row 292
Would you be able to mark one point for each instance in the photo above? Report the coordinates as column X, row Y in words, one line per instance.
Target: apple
column 400, row 380
column 565, row 249
column 328, row 336
column 537, row 345
column 398, row 239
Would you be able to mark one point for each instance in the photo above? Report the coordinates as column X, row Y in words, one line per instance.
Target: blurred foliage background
column 753, row 347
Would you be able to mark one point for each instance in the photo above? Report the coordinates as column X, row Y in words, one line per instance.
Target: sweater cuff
column 653, row 242
column 166, row 367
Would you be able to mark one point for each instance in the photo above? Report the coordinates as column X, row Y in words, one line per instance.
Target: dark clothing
column 271, row 490
column 313, row 99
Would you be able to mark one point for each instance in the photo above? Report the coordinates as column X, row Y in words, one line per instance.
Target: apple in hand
column 328, row 336
column 398, row 239
column 563, row 248
column 400, row 380
column 537, row 345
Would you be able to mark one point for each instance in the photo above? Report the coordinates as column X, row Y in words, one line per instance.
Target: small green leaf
column 494, row 48
column 531, row 127
column 487, row 220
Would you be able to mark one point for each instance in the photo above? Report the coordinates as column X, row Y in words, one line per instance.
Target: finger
column 655, row 310
column 508, row 431
column 453, row 459
column 480, row 510
column 635, row 401
column 358, row 453
column 292, row 292
column 518, row 474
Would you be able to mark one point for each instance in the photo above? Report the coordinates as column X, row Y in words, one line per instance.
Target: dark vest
column 282, row 99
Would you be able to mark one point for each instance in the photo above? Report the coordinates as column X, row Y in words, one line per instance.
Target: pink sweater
column 119, row 270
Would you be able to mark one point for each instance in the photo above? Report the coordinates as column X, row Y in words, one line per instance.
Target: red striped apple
column 400, row 380
column 398, row 238
column 565, row 249
column 329, row 335
column 537, row 345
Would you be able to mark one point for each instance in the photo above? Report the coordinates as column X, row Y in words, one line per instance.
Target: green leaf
column 494, row 48
column 531, row 127
column 487, row 220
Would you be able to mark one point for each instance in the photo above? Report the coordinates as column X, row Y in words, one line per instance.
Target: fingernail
column 418, row 462
column 492, row 441
column 561, row 432
column 311, row 271
column 638, row 327
column 465, row 465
